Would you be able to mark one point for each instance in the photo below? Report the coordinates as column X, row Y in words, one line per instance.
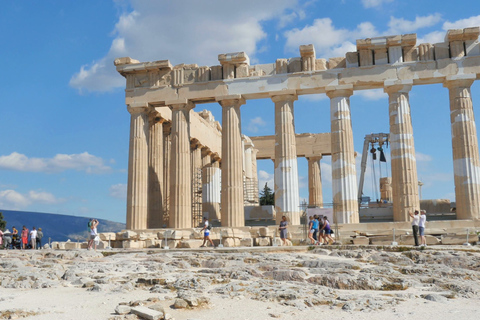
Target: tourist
column 14, row 237
column 328, row 231
column 321, row 231
column 33, row 238
column 315, row 228
column 415, row 222
column 311, row 230
column 206, row 232
column 283, row 230
column 39, row 238
column 93, row 234
column 421, row 228
column 1, row 237
column 7, row 239
column 24, row 237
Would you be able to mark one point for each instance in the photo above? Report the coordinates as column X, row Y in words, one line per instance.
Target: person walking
column 93, row 234
column 206, row 232
column 421, row 228
column 14, row 237
column 39, row 238
column 24, row 237
column 311, row 230
column 415, row 221
column 33, row 238
column 328, row 231
column 283, row 230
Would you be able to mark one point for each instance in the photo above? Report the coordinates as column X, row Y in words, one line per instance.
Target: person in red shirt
column 24, row 237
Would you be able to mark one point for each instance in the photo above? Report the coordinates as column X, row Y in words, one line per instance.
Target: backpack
column 209, row 227
column 89, row 225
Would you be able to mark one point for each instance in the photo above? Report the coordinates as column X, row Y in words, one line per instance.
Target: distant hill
column 58, row 227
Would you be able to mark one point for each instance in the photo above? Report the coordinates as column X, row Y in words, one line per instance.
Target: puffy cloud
column 61, row 162
column 374, row 94
column 13, row 200
column 422, row 157
column 186, row 31
column 473, row 21
column 265, row 177
column 374, row 3
column 118, row 191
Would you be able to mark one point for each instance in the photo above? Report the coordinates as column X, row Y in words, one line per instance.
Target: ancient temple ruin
column 173, row 148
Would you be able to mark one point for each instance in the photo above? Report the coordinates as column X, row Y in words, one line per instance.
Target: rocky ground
column 343, row 282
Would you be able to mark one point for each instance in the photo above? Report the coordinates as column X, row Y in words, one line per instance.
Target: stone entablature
column 377, row 61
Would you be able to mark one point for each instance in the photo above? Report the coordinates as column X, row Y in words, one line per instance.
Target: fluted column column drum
column 466, row 165
column 404, row 164
column 315, row 197
column 232, row 162
column 155, row 171
column 180, row 167
column 287, row 197
column 211, row 176
column 137, row 187
column 344, row 179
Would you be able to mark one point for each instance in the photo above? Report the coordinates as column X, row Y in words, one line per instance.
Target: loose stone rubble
column 353, row 279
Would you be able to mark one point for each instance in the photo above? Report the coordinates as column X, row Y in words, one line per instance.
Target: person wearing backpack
column 206, row 232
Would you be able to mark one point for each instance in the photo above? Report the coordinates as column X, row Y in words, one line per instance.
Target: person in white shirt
column 421, row 228
column 93, row 234
column 33, row 238
column 206, row 233
column 415, row 222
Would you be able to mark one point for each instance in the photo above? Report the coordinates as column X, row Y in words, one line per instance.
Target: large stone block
column 227, row 233
column 132, row 244
column 294, row 65
column 216, row 72
column 146, row 235
column 230, row 242
column 71, row 245
column 337, row 63
column 262, row 241
column 265, row 232
column 351, row 59
column 458, row 239
column 410, row 53
column 190, row 244
column 147, row 313
column 321, row 64
column 152, row 243
column 281, row 66
column 129, row 235
column 246, row 242
column 170, row 243
column 361, row 241
column 472, row 48
column 107, row 236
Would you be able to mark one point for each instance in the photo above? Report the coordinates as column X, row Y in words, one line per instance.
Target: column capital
column 284, row 95
column 180, row 104
column 314, row 157
column 206, row 151
column 339, row 91
column 167, row 127
column 137, row 107
column 400, row 86
column 194, row 144
column 464, row 80
column 155, row 117
column 231, row 100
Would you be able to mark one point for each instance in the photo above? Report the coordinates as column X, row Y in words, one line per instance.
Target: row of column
column 344, row 184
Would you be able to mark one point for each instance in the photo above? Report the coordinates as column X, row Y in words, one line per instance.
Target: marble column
column 155, row 171
column 255, row 174
column 167, row 147
column 180, row 166
column 344, row 179
column 466, row 164
column 232, row 158
column 250, row 189
column 137, row 187
column 211, row 176
column 402, row 150
column 287, row 197
column 315, row 197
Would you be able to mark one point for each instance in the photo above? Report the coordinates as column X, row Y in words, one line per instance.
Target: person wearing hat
column 206, row 232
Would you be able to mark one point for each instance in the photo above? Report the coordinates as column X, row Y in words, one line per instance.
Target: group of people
column 418, row 227
column 319, row 230
column 25, row 239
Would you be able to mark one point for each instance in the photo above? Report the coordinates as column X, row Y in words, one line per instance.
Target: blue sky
column 64, row 123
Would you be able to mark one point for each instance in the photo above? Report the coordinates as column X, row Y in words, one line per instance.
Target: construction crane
column 370, row 139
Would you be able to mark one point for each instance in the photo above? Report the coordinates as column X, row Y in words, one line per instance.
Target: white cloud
column 187, row 31
column 255, row 124
column 401, row 26
column 61, row 162
column 374, row 3
column 119, row 191
column 374, row 94
column 432, row 37
column 473, row 21
column 13, row 200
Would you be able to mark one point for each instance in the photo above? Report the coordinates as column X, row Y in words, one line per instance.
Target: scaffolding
column 197, row 215
column 250, row 192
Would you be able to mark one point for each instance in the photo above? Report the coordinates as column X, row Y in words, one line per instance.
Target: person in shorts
column 93, row 234
column 206, row 233
column 328, row 231
column 311, row 230
column 24, row 237
column 415, row 220
column 421, row 228
column 33, row 238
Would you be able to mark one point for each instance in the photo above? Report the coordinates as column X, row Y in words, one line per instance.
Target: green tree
column 267, row 197
column 3, row 223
